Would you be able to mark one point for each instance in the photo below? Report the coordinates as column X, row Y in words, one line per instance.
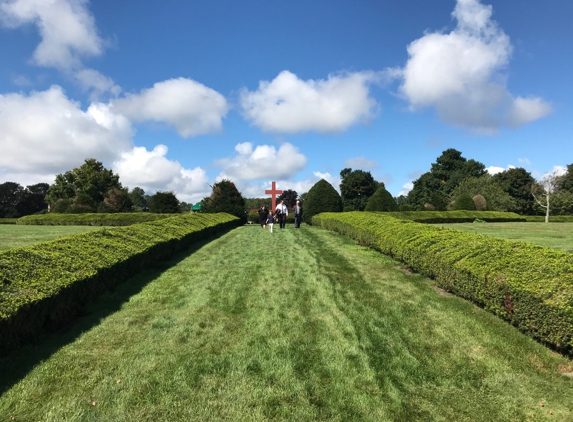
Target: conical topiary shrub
column 381, row 200
column 322, row 197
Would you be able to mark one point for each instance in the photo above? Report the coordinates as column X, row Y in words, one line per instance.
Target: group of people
column 267, row 217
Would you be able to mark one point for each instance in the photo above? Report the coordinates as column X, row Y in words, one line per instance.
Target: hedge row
column 8, row 220
column 92, row 219
column 44, row 285
column 530, row 286
column 436, row 217
column 552, row 219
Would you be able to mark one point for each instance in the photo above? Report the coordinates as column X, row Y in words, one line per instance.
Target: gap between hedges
column 45, row 285
column 528, row 285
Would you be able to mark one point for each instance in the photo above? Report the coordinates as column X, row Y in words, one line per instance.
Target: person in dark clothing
column 297, row 210
column 263, row 215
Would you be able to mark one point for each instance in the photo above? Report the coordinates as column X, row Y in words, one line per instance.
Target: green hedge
column 8, row 220
column 528, row 285
column 44, row 285
column 552, row 218
column 437, row 217
column 92, row 219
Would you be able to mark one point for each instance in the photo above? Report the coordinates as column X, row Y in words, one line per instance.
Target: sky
column 177, row 95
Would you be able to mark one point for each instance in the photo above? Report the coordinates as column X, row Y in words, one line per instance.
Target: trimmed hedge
column 552, row 218
column 443, row 217
column 8, row 220
column 43, row 286
column 530, row 286
column 92, row 219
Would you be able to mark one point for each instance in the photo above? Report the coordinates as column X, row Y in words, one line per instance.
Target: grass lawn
column 299, row 325
column 13, row 236
column 552, row 235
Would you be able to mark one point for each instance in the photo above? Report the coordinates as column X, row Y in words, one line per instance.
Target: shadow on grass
column 18, row 363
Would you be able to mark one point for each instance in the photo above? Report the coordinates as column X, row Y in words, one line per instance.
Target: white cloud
column 524, row 161
column 67, row 29
column 288, row 104
column 459, row 74
column 22, row 80
column 152, row 171
column 406, row 187
column 92, row 79
column 262, row 162
column 494, row 169
column 360, row 163
column 192, row 108
column 46, row 133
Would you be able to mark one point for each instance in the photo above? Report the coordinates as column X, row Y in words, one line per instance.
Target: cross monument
column 274, row 192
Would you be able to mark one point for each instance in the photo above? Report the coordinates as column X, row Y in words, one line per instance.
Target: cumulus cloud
column 460, row 74
column 494, row 169
column 361, row 163
column 406, row 187
column 288, row 104
column 69, row 34
column 153, row 171
column 262, row 162
column 45, row 132
column 192, row 108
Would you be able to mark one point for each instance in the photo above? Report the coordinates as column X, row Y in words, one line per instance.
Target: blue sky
column 174, row 95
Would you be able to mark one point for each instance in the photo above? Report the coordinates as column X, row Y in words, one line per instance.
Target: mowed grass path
column 299, row 325
column 552, row 235
column 14, row 236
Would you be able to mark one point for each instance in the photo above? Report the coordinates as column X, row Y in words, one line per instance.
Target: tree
column 225, row 197
column 139, row 199
column 435, row 186
column 322, row 197
column 381, row 200
column 184, row 207
column 517, row 182
column 164, row 203
column 33, row 200
column 91, row 180
column 464, row 202
column 488, row 187
column 356, row 186
column 565, row 182
column 256, row 203
column 289, row 196
column 11, row 194
column 117, row 200
column 542, row 192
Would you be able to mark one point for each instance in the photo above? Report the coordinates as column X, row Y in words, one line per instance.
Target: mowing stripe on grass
column 297, row 325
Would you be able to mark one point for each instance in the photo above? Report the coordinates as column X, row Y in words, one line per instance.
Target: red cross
column 274, row 192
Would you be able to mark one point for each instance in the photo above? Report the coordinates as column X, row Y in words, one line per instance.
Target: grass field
column 557, row 236
column 299, row 325
column 13, row 236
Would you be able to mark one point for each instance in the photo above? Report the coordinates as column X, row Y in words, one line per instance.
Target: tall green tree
column 289, row 196
column 565, row 182
column 164, row 203
column 11, row 194
column 322, row 197
column 356, row 187
column 91, row 180
column 435, row 186
column 117, row 200
column 518, row 182
column 139, row 199
column 225, row 197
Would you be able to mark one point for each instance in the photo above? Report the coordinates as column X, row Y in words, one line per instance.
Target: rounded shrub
column 381, row 200
column 480, row 202
column 464, row 202
column 322, row 197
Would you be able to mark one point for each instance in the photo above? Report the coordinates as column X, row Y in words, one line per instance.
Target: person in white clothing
column 283, row 209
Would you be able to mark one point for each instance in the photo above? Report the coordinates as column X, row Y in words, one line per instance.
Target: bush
column 381, row 200
column 8, row 220
column 164, row 203
column 322, row 197
column 464, row 202
column 225, row 198
column 45, row 285
column 528, row 285
column 444, row 217
column 91, row 219
column 480, row 202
